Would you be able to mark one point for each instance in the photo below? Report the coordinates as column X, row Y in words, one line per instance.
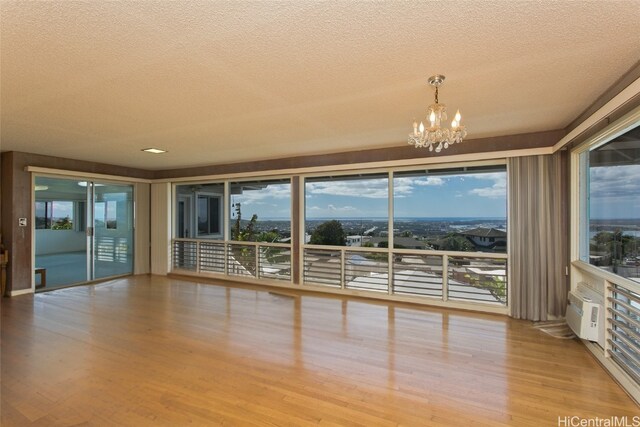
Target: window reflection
column 613, row 191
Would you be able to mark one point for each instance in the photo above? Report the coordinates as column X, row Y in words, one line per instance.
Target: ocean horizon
column 406, row 218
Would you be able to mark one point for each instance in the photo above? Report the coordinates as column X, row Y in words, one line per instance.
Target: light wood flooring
column 158, row 351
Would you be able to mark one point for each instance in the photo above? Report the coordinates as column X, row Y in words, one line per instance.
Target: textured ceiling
column 219, row 82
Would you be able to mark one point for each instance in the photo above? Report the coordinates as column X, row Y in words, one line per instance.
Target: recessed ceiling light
column 154, row 150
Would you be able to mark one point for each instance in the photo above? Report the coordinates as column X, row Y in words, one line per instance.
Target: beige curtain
column 538, row 236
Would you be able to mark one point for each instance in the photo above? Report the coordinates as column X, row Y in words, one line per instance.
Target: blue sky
column 613, row 194
column 469, row 195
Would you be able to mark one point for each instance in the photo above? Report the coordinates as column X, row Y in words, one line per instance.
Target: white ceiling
column 219, row 82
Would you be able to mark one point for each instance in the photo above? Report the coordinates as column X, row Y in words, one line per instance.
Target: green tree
column 63, row 224
column 329, row 233
column 244, row 255
column 614, row 244
column 268, row 236
column 246, row 234
column 455, row 242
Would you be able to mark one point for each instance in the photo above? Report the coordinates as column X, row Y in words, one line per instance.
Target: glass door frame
column 89, row 216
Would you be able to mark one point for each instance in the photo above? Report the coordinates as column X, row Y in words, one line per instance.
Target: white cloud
column 403, row 186
column 429, row 180
column 255, row 197
column 497, row 190
column 368, row 188
column 333, row 208
column 332, row 211
column 615, row 182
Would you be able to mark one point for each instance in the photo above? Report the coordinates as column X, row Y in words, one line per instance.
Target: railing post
column 172, row 255
column 197, row 257
column 343, row 261
column 390, row 271
column 257, row 247
column 608, row 293
column 302, row 266
column 225, row 258
column 445, row 278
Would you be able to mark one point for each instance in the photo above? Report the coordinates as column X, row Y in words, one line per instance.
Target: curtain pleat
column 537, row 235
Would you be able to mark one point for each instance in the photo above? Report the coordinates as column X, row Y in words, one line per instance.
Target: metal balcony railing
column 473, row 277
column 460, row 276
column 245, row 259
column 623, row 329
column 418, row 275
column 323, row 267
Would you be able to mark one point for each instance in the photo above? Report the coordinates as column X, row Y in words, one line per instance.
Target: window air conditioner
column 585, row 313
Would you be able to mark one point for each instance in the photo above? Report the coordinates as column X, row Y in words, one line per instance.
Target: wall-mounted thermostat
column 22, row 222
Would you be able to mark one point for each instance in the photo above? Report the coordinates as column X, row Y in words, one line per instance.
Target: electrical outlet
column 22, row 222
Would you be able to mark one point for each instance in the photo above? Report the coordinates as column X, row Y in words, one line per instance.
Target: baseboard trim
column 20, row 292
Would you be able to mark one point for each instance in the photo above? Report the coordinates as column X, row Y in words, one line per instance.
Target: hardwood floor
column 158, row 351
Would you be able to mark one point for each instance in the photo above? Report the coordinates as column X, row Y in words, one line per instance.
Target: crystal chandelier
column 435, row 135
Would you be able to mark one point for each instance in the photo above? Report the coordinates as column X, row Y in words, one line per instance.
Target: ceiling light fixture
column 154, row 150
column 41, row 187
column 435, row 134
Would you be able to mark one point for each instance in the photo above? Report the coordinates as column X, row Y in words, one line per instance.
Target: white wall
column 142, row 226
column 160, row 227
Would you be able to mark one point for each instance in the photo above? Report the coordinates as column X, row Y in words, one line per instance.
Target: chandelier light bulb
column 437, row 136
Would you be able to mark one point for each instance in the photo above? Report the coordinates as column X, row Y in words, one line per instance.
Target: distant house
column 487, row 238
column 356, row 240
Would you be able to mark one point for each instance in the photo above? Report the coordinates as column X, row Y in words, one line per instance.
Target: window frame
column 255, row 179
column 442, row 168
column 49, row 211
column 220, row 223
column 579, row 224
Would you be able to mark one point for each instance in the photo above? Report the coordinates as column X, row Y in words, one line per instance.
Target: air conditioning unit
column 585, row 313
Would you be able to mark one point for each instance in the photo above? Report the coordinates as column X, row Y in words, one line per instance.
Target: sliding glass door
column 60, row 224
column 113, row 230
column 83, row 231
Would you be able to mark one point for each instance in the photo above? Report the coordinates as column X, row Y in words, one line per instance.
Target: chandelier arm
column 435, row 137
